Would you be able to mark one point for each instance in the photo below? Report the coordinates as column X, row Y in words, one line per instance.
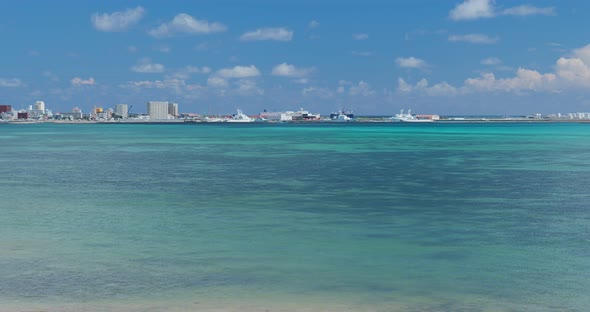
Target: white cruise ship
column 401, row 117
column 301, row 114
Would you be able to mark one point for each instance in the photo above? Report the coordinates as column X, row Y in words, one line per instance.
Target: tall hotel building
column 157, row 110
column 40, row 106
column 173, row 109
column 122, row 110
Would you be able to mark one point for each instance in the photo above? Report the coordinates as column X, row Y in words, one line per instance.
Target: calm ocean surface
column 364, row 217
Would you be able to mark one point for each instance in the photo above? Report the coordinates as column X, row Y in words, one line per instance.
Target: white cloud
column 360, row 36
column 524, row 10
column 473, row 9
column 186, row 24
column 278, row 34
column 132, row 49
column 317, row 92
column 473, row 38
column 476, row 9
column 217, row 82
column 197, row 70
column 313, row 24
column 422, row 86
column 242, row 86
column 239, row 72
column 569, row 73
column 248, row 87
column 176, row 84
column 524, row 80
column 146, row 66
column 186, row 72
column 583, row 53
column 362, row 88
column 403, row 86
column 410, row 62
column 117, row 21
column 10, row 82
column 491, row 61
column 574, row 71
column 77, row 81
column 287, row 70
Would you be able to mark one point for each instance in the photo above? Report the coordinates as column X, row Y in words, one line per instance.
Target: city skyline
column 372, row 57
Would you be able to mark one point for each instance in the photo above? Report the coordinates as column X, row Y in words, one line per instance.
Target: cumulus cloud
column 197, row 70
column 472, row 9
column 422, row 86
column 145, row 65
column 117, row 21
column 77, row 81
column 312, row 91
column 10, row 82
column 570, row 73
column 156, row 84
column 410, row 62
column 217, row 82
column 238, row 72
column 247, row 87
column 362, row 88
column 269, row 33
column 473, row 38
column 525, row 80
column 186, row 24
column 287, row 70
column 574, row 71
column 360, row 36
column 582, row 53
column 187, row 71
column 491, row 61
column 476, row 9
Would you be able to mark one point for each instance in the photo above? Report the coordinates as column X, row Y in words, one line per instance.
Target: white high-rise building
column 40, row 106
column 122, row 110
column 173, row 109
column 157, row 110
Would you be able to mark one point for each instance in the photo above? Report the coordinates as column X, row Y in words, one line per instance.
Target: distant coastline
column 360, row 119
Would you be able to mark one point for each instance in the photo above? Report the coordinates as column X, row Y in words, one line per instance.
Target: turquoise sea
column 295, row 217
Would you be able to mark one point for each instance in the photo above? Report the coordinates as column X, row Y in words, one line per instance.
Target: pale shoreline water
column 290, row 304
column 364, row 217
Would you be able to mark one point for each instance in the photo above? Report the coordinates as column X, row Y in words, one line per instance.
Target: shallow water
column 375, row 217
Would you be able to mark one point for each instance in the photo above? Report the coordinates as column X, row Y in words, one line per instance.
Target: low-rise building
column 5, row 109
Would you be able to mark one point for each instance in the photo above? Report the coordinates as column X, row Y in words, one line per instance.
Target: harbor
column 163, row 112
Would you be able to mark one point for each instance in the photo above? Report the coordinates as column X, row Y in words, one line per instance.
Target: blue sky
column 373, row 57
